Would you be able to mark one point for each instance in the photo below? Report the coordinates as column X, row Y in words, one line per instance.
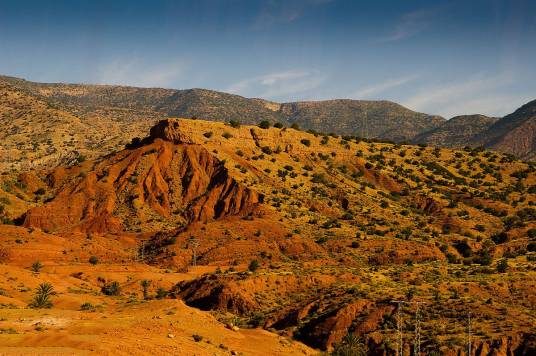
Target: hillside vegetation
column 310, row 236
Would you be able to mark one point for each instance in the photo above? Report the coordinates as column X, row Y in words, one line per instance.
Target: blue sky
column 441, row 57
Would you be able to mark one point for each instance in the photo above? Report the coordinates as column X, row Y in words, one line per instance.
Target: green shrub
column 321, row 240
column 161, row 293
column 87, row 306
column 40, row 191
column 264, row 124
column 235, row 124
column 112, row 288
column 480, row 227
column 451, row 258
column 463, row 248
column 36, row 266
column 253, row 265
column 145, row 284
column 306, row 142
column 500, row 238
column 502, row 265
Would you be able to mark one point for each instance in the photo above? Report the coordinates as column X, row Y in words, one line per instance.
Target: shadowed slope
column 514, row 133
column 456, row 132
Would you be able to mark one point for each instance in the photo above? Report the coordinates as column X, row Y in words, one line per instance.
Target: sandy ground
column 120, row 325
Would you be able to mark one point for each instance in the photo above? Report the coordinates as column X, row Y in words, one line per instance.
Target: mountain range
column 48, row 124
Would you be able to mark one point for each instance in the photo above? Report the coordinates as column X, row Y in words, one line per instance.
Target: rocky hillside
column 514, row 133
column 308, row 235
column 372, row 119
column 37, row 133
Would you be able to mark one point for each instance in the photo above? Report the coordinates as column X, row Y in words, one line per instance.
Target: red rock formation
column 170, row 130
column 158, row 179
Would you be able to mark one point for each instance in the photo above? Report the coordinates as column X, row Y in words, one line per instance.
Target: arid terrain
column 200, row 237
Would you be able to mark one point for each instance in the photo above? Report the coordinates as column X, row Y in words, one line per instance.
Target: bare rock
column 170, row 130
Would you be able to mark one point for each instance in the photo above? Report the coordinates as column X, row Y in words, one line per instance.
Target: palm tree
column 36, row 266
column 145, row 285
column 42, row 296
column 350, row 345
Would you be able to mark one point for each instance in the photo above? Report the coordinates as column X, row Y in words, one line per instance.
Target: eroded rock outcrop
column 171, row 130
column 167, row 180
column 211, row 292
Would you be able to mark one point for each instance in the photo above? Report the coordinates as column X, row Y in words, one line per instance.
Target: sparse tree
column 193, row 243
column 145, row 284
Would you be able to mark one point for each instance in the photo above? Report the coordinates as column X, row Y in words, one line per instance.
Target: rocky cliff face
column 167, row 178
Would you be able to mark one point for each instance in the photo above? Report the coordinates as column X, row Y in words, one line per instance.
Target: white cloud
column 492, row 105
column 379, row 88
column 275, row 85
column 412, row 23
column 276, row 12
column 479, row 94
column 136, row 73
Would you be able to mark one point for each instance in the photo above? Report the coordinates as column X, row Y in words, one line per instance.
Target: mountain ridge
column 514, row 133
column 111, row 115
column 201, row 103
column 458, row 131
